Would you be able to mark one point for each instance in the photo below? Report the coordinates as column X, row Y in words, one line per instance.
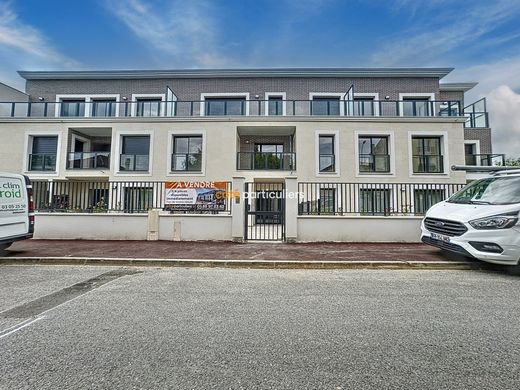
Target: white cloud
column 428, row 41
column 504, row 107
column 23, row 46
column 183, row 31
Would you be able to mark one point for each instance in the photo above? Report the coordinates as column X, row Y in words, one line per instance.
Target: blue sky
column 481, row 39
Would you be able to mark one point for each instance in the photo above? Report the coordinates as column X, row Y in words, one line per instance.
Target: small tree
column 513, row 162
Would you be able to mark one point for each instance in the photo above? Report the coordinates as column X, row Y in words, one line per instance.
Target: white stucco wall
column 359, row 229
column 195, row 227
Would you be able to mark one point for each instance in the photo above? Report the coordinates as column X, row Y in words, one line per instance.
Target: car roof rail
column 507, row 172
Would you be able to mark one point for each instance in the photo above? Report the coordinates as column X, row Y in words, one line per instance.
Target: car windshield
column 494, row 190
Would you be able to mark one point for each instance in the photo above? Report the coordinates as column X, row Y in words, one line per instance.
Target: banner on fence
column 201, row 195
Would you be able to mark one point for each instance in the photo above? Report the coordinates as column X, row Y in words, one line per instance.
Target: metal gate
column 264, row 211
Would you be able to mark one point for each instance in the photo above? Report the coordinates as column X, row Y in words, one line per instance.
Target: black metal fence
column 366, row 199
column 113, row 196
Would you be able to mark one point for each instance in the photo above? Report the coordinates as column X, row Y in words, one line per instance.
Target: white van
column 16, row 209
column 480, row 221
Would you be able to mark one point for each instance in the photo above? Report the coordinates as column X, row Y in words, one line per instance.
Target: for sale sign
column 201, row 195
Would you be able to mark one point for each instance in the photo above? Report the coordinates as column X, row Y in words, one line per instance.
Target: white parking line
column 17, row 327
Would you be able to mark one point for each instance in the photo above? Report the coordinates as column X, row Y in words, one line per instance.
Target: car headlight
column 502, row 221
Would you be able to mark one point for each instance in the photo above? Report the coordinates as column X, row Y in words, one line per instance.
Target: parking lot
column 71, row 327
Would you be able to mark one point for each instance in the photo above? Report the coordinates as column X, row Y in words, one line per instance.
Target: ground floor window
column 327, row 200
column 138, row 199
column 374, row 201
column 426, row 198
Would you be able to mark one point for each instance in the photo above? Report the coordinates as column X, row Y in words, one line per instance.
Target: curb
column 263, row 264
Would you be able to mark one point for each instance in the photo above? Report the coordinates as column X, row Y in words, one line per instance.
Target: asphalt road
column 103, row 328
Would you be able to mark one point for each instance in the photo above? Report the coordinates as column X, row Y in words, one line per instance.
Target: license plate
column 440, row 237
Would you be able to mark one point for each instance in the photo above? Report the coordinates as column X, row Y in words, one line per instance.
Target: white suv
column 481, row 220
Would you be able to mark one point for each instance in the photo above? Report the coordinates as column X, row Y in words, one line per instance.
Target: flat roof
column 457, row 87
column 236, row 73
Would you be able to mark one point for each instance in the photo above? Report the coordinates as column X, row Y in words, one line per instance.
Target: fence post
column 237, row 210
column 291, row 209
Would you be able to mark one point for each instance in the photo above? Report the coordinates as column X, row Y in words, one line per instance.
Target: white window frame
column 117, row 148
column 391, row 150
column 341, row 96
column 430, row 96
column 374, row 95
column 188, row 133
column 136, row 96
column 88, row 103
column 444, row 153
column 475, row 142
column 335, row 134
column 222, row 95
column 28, row 143
column 283, row 95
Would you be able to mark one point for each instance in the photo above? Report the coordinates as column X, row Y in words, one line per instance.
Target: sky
column 479, row 38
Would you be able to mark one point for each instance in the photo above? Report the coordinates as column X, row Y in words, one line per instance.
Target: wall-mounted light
column 257, row 96
column 41, row 99
column 387, row 97
column 125, row 98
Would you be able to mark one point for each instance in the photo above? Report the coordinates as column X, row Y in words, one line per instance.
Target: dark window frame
column 175, row 153
column 424, row 158
column 373, row 154
column 332, row 155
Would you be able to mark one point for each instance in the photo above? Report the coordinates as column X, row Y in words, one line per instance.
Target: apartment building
column 360, row 146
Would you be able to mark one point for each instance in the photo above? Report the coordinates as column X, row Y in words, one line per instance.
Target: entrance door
column 265, row 212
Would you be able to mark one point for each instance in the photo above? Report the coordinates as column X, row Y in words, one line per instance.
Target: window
column 373, row 154
column 148, row 107
column 103, row 107
column 417, row 106
column 374, row 201
column 326, row 153
column 187, row 153
column 275, row 105
column 327, row 200
column 364, row 106
column 268, row 156
column 72, row 107
column 138, row 199
column 325, row 105
column 225, row 106
column 135, row 151
column 426, row 155
column 426, row 198
column 470, row 153
column 43, row 153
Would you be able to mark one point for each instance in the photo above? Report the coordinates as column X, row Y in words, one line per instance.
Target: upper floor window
column 148, row 107
column 72, row 107
column 275, row 103
column 187, row 153
column 135, row 153
column 373, row 154
column 43, row 153
column 103, row 107
column 225, row 106
column 325, row 105
column 427, row 155
column 327, row 158
column 364, row 106
column 417, row 106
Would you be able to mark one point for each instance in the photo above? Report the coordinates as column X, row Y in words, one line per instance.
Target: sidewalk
column 210, row 253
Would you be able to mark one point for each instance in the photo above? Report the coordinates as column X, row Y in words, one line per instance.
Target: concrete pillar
column 291, row 209
column 153, row 225
column 237, row 209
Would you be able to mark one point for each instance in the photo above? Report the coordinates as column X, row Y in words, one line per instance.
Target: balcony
column 476, row 115
column 89, row 160
column 374, row 163
column 42, row 162
column 486, row 160
column 266, row 161
column 428, row 163
column 241, row 107
column 134, row 162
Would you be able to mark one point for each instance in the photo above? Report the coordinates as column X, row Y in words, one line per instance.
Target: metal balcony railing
column 88, row 160
column 374, row 163
column 235, row 107
column 186, row 162
column 423, row 163
column 134, row 162
column 266, row 161
column 42, row 162
column 486, row 160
